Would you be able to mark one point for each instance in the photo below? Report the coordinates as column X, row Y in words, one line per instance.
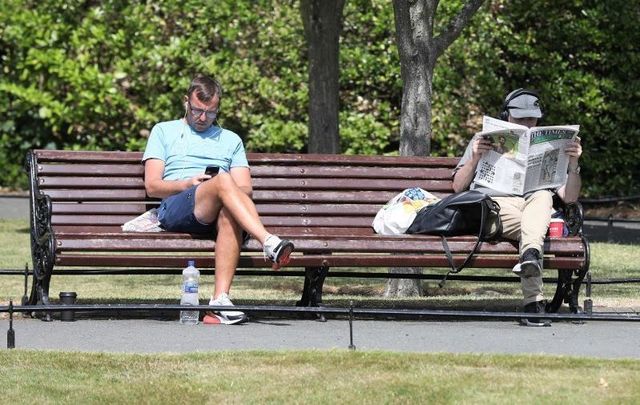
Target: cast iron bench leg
column 313, row 283
column 312, row 290
column 563, row 286
column 42, row 240
column 574, row 290
column 568, row 288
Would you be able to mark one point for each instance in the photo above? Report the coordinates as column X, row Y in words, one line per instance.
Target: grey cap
column 524, row 105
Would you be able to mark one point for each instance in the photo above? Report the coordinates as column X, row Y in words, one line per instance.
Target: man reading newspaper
column 521, row 167
column 521, row 159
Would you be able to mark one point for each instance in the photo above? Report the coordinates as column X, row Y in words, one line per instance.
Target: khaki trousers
column 526, row 219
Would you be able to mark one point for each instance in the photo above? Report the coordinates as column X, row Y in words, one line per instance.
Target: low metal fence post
column 588, row 303
column 25, row 297
column 11, row 335
column 351, row 345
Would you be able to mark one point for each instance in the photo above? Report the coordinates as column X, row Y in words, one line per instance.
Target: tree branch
column 455, row 27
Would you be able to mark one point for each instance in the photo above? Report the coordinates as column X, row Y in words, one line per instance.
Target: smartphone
column 212, row 170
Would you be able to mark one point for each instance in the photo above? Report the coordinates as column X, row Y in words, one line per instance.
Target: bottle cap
column 191, row 263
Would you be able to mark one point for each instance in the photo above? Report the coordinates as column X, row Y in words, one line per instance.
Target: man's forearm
column 166, row 188
column 464, row 176
column 572, row 188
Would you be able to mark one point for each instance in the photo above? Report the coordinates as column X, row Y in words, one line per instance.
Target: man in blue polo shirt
column 176, row 156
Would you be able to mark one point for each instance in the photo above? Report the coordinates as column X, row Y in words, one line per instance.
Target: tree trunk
column 322, row 20
column 419, row 50
column 414, row 37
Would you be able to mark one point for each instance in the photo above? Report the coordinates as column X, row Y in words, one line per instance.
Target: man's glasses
column 197, row 112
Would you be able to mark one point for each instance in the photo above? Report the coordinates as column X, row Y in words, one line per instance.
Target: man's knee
column 542, row 197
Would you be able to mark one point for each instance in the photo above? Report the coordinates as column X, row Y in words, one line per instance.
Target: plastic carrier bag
column 397, row 215
column 147, row 222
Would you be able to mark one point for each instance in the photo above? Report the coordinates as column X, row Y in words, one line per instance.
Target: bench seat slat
column 93, row 208
column 426, row 244
column 304, row 261
column 568, row 245
column 115, row 231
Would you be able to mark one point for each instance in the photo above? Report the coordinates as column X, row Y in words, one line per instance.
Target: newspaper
column 524, row 159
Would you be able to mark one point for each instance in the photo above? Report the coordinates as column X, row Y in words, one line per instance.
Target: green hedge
column 98, row 75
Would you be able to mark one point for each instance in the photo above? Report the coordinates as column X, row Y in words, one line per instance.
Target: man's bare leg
column 228, row 245
column 222, row 191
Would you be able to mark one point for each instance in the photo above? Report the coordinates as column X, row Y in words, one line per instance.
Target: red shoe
column 211, row 319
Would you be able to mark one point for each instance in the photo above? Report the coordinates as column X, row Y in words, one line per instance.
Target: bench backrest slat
column 350, row 172
column 90, row 182
column 95, row 170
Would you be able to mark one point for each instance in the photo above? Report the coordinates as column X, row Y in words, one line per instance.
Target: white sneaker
column 227, row 317
column 277, row 250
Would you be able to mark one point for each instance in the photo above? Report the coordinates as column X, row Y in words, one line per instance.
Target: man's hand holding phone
column 212, row 170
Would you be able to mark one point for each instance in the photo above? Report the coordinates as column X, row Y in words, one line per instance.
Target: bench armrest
column 573, row 216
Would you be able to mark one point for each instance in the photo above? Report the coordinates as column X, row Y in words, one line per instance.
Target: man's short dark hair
column 205, row 88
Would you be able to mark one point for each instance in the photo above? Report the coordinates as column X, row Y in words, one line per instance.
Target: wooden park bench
column 325, row 204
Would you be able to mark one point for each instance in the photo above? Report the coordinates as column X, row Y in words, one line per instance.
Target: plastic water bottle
column 190, row 283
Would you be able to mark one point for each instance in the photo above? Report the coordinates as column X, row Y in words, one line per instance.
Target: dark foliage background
column 98, row 75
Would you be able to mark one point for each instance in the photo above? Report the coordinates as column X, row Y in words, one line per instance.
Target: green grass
column 309, row 376
column 314, row 377
column 608, row 261
column 15, row 247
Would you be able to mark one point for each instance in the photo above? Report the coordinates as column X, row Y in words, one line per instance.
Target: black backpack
column 467, row 213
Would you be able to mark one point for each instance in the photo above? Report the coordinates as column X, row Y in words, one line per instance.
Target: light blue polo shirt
column 187, row 153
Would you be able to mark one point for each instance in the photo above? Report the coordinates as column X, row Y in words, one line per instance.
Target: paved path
column 14, row 207
column 601, row 339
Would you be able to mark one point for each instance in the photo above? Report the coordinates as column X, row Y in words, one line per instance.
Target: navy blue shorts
column 176, row 214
